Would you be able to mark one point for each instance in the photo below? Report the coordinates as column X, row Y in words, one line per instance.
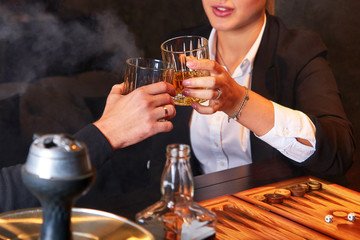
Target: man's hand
column 128, row 119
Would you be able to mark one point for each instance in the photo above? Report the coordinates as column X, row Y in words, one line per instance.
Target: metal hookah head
column 57, row 171
column 57, row 157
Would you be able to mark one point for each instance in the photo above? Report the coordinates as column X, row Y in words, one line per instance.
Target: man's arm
column 14, row 194
column 127, row 119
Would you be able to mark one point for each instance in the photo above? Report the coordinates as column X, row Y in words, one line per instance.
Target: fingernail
column 185, row 92
column 190, row 64
column 186, row 83
column 194, row 106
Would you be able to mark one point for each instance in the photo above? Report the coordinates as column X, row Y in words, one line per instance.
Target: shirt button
column 216, row 145
column 222, row 164
column 286, row 132
column 245, row 63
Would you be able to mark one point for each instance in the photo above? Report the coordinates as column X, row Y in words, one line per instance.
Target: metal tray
column 85, row 223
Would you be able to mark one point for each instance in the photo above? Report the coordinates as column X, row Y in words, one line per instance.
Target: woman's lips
column 221, row 11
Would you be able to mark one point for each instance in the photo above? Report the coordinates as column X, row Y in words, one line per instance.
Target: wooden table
column 232, row 189
column 221, row 190
column 242, row 178
column 243, row 216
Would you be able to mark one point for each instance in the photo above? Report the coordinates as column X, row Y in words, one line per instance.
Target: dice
column 329, row 218
column 351, row 217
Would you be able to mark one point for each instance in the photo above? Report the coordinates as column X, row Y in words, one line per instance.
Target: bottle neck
column 177, row 181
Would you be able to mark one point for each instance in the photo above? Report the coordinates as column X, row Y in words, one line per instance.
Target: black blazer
column 290, row 68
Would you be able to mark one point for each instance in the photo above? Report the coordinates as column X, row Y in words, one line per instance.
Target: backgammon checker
column 58, row 171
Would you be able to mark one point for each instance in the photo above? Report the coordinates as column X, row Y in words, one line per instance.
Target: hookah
column 57, row 171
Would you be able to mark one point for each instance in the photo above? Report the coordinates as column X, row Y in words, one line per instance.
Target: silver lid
column 58, row 156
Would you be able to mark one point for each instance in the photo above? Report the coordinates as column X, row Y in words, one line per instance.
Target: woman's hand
column 128, row 119
column 222, row 91
column 258, row 113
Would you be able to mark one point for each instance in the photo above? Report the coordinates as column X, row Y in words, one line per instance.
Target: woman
column 271, row 94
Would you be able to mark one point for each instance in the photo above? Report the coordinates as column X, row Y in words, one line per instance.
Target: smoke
column 40, row 55
column 35, row 43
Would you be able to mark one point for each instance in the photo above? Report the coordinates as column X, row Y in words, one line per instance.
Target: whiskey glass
column 140, row 71
column 178, row 51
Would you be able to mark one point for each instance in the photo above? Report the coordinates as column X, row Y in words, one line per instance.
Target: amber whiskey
column 178, row 78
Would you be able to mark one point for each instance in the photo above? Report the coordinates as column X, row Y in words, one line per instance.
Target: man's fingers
column 160, row 87
column 165, row 112
column 161, row 126
column 118, row 89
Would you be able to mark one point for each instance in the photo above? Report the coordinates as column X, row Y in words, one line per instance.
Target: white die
column 351, row 217
column 329, row 218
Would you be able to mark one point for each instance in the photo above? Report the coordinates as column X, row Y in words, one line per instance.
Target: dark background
column 141, row 26
column 338, row 24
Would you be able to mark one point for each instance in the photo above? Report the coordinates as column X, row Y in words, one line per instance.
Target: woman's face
column 229, row 15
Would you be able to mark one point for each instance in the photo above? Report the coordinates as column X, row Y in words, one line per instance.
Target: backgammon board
column 238, row 219
column 247, row 215
column 311, row 209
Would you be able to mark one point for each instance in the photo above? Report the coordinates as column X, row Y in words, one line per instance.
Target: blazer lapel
column 265, row 81
column 265, row 77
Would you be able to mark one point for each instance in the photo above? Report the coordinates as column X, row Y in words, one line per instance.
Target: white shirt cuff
column 289, row 125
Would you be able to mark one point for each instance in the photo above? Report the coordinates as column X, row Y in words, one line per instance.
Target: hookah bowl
column 57, row 171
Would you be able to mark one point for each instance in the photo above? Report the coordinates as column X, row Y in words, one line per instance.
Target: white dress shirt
column 219, row 144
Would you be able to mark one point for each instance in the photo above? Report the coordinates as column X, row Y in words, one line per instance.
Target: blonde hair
column 270, row 6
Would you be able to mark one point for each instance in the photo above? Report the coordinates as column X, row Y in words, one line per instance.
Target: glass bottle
column 176, row 215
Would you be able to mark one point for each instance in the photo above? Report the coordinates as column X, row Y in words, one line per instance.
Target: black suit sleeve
column 99, row 148
column 317, row 95
column 14, row 194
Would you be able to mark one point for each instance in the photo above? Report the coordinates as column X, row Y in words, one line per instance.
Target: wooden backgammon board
column 251, row 215
column 238, row 219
